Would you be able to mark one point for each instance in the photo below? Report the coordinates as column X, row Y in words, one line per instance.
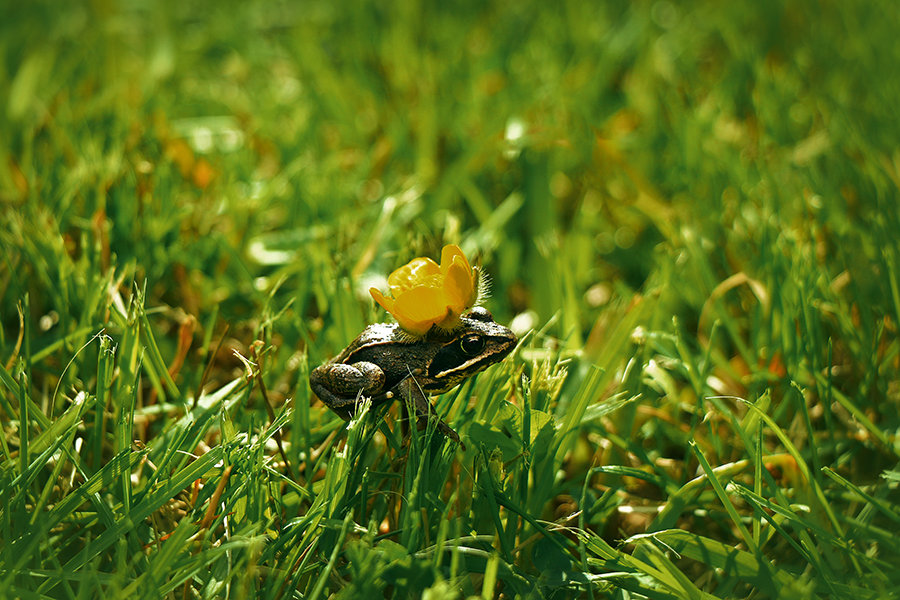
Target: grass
column 689, row 210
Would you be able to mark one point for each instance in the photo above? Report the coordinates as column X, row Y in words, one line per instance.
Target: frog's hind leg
column 345, row 407
column 357, row 380
column 415, row 400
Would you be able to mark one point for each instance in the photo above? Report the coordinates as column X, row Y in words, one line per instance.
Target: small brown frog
column 386, row 363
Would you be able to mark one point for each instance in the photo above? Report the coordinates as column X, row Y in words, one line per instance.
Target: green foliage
column 688, row 210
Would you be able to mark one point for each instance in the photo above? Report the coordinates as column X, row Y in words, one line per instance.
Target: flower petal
column 448, row 257
column 418, row 271
column 417, row 328
column 459, row 285
column 419, row 308
column 385, row 302
column 422, row 304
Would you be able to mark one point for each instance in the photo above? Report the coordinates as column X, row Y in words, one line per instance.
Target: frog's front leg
column 414, row 397
column 340, row 385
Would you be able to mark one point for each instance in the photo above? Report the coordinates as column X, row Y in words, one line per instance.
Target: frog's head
column 478, row 343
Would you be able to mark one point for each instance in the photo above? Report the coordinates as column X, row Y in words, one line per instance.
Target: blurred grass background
column 692, row 207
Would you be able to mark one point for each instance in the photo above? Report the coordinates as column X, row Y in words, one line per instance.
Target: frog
column 385, row 363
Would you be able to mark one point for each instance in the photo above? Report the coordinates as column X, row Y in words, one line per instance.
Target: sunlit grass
column 688, row 211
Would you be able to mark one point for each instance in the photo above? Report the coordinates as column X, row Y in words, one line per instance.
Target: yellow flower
column 425, row 294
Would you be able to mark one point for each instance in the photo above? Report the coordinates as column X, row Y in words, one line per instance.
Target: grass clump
column 688, row 210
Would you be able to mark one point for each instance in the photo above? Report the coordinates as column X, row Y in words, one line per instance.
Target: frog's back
column 378, row 334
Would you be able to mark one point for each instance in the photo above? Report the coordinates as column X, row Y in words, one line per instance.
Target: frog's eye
column 471, row 345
